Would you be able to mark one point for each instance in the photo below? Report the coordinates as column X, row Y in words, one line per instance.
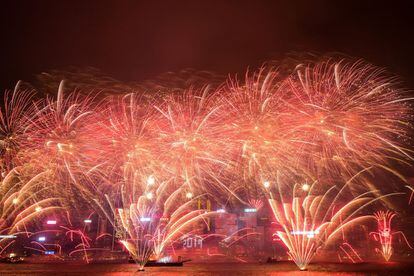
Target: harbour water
column 278, row 269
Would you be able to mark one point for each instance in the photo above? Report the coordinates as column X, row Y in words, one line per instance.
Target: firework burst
column 314, row 217
column 143, row 159
column 14, row 118
column 155, row 221
column 348, row 116
column 385, row 234
column 22, row 200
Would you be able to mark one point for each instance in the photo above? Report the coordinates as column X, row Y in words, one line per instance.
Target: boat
column 11, row 259
column 154, row 263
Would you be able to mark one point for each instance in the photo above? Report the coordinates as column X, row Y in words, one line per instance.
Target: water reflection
column 285, row 269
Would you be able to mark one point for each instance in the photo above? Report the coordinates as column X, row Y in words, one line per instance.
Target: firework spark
column 150, row 223
column 142, row 159
column 346, row 117
column 312, row 219
column 22, row 201
column 385, row 234
column 14, row 118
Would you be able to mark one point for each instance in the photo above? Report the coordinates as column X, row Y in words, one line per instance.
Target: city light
column 41, row 239
column 8, row 236
column 309, row 234
column 249, row 148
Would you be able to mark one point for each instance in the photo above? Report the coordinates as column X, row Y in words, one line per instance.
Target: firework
column 257, row 121
column 22, row 201
column 128, row 141
column 150, row 223
column 385, row 234
column 312, row 219
column 195, row 146
column 349, row 252
column 346, row 117
column 142, row 159
column 58, row 133
column 59, row 140
column 14, row 118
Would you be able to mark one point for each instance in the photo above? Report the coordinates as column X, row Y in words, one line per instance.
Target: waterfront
column 280, row 269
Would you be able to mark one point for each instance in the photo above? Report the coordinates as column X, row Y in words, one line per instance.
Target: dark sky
column 134, row 40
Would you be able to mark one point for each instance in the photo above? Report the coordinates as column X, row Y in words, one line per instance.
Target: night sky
column 136, row 40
